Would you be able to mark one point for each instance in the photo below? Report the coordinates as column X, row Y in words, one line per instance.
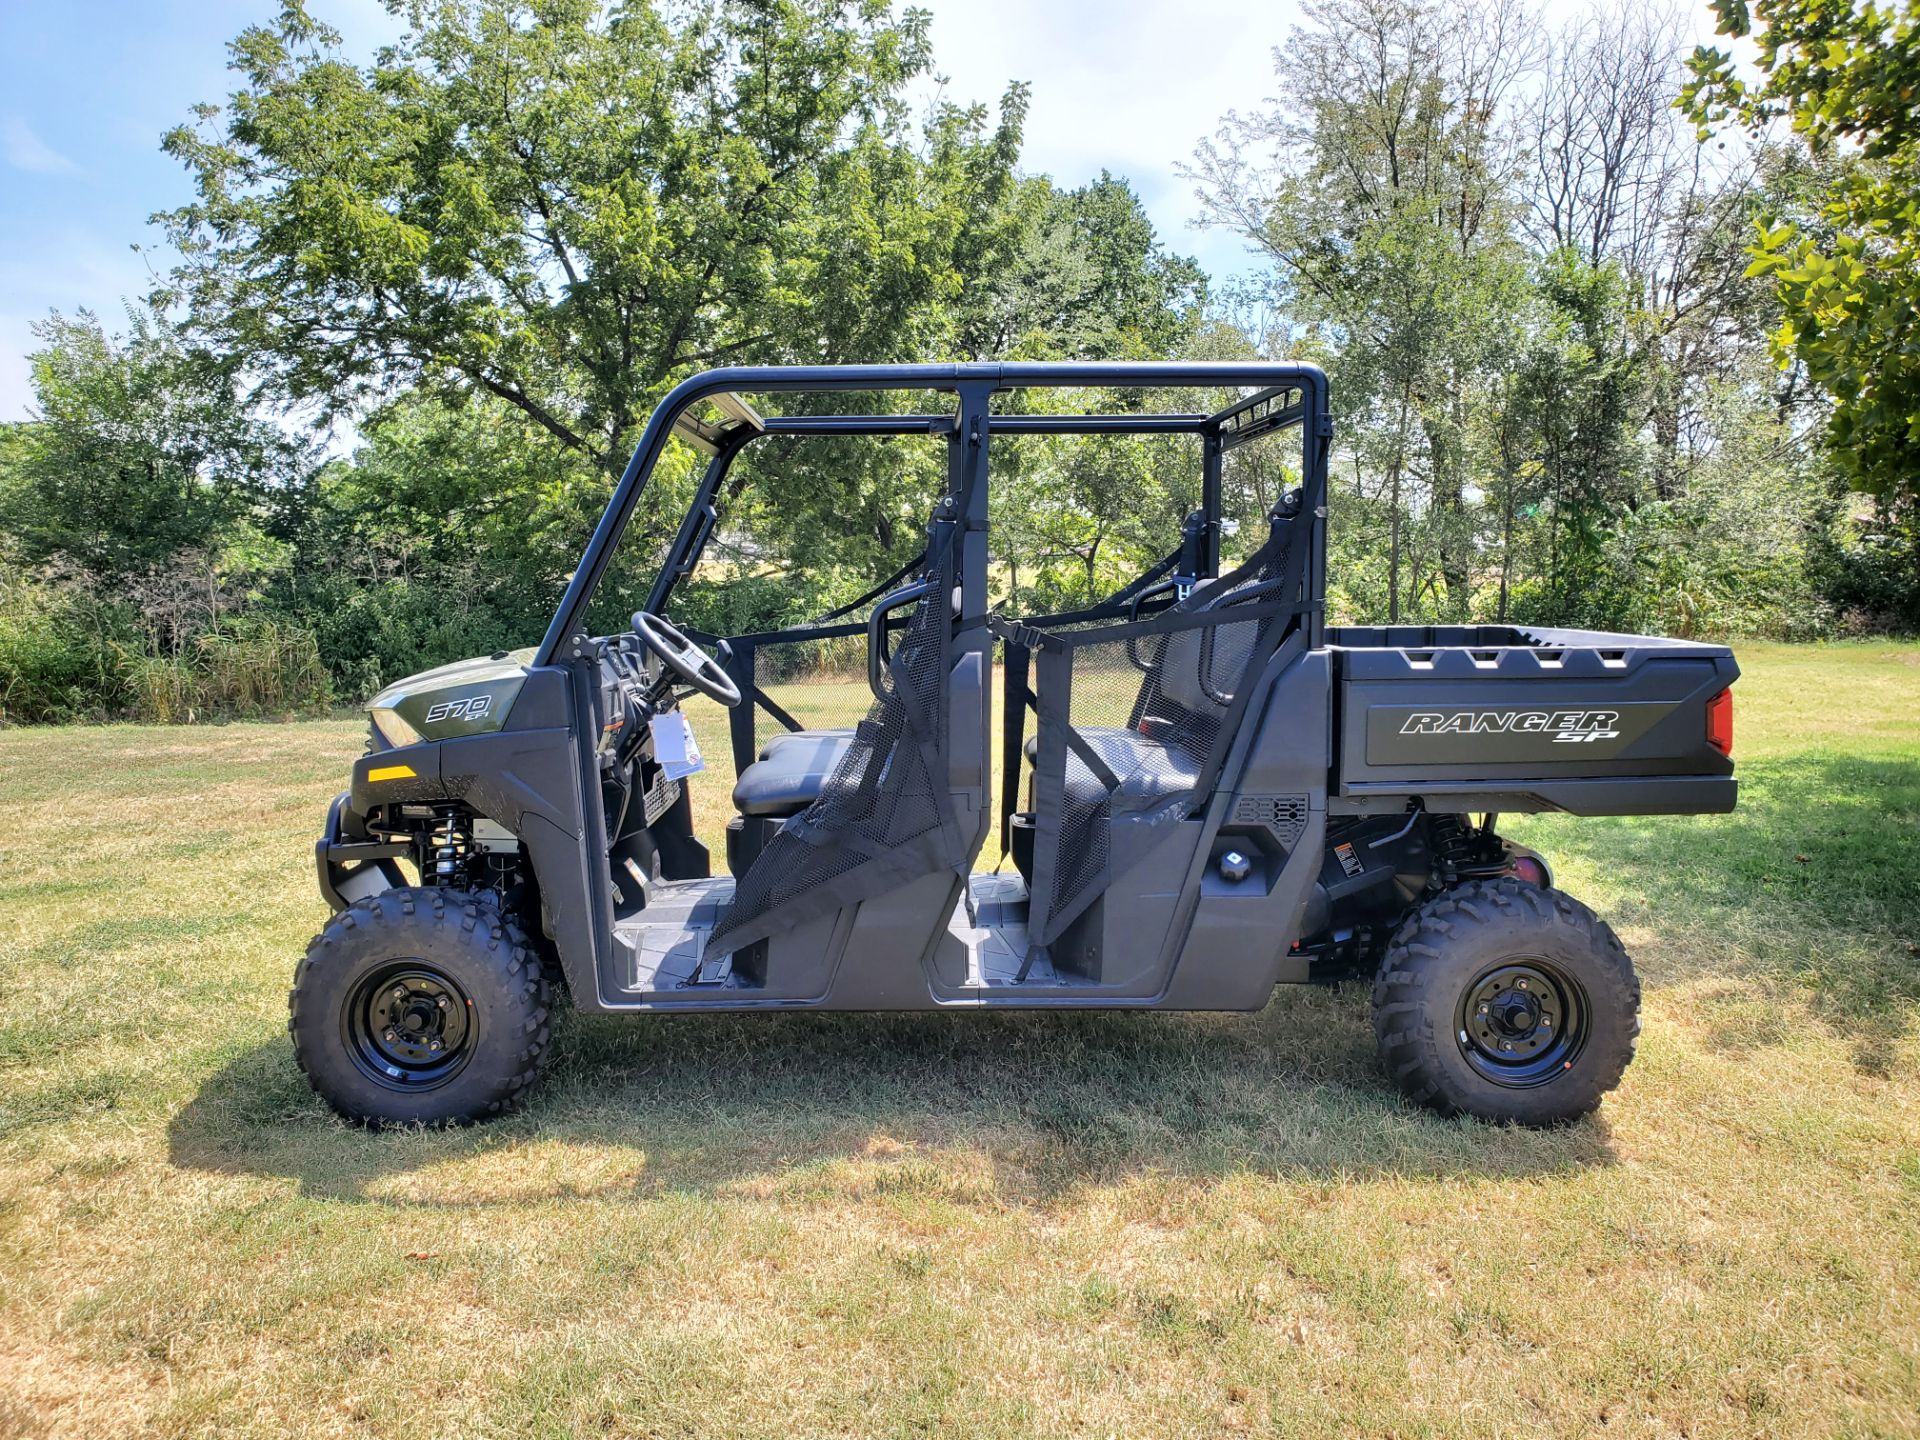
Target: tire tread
column 504, row 946
column 1406, row 995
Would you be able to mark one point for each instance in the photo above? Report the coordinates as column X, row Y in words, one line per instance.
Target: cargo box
column 1513, row 718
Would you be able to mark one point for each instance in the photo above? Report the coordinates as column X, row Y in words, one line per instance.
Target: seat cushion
column 804, row 738
column 1148, row 771
column 790, row 771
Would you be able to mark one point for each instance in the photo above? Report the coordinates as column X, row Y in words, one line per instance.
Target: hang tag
column 674, row 747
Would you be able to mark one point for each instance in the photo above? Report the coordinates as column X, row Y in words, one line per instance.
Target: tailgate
column 1589, row 723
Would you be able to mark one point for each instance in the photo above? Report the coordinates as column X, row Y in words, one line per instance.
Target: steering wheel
column 685, row 659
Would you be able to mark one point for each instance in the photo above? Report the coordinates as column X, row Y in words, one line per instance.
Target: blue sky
column 87, row 87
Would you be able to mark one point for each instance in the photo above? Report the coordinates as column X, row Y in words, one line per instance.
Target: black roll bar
column 972, row 382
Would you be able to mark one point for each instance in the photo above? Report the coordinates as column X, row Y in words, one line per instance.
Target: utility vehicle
column 1202, row 789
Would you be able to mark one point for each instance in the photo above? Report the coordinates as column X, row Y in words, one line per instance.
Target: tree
column 1846, row 77
column 1086, row 278
column 1380, row 188
column 143, row 448
column 567, row 207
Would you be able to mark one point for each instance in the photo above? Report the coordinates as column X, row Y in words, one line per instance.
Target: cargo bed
column 1517, row 718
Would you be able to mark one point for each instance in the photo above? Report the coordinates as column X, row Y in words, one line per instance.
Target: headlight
column 396, row 730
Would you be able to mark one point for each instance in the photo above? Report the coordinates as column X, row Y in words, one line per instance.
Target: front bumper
column 354, row 867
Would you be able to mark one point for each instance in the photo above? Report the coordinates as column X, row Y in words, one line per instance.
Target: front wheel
column 419, row 1006
column 1508, row 1002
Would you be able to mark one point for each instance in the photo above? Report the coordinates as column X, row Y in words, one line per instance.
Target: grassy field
column 1137, row 1225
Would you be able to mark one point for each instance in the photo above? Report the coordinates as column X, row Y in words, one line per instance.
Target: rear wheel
column 1508, row 1002
column 420, row 1006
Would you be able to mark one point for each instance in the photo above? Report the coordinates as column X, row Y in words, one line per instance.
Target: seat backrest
column 1197, row 666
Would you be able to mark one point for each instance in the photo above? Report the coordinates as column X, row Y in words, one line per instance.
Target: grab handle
column 877, row 656
column 1133, row 616
column 1233, row 597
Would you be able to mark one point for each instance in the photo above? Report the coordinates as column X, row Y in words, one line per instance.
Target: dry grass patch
column 985, row 1225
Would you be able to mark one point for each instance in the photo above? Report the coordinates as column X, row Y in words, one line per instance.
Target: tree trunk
column 1393, row 549
column 1506, row 547
column 1393, row 503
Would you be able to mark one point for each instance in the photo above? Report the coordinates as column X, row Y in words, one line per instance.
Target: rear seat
column 1146, row 769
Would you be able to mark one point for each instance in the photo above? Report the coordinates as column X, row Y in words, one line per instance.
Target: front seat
column 787, row 776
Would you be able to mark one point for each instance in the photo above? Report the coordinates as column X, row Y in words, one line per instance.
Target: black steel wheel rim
column 408, row 1026
column 1521, row 1022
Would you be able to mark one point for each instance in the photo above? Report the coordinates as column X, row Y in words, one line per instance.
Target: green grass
column 1136, row 1225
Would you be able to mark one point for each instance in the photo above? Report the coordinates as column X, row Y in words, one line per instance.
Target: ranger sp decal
column 1508, row 735
column 1565, row 726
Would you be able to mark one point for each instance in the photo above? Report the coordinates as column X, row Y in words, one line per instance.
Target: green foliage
column 496, row 244
column 143, row 447
column 260, row 667
column 60, row 653
column 447, row 534
column 1084, row 278
column 1845, row 76
column 1378, row 189
column 1865, row 563
column 567, row 207
column 66, row 654
column 1546, row 349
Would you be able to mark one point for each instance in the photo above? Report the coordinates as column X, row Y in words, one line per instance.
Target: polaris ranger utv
column 1218, row 791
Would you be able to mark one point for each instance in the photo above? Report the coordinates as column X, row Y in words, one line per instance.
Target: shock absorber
column 1452, row 849
column 449, row 854
column 1460, row 853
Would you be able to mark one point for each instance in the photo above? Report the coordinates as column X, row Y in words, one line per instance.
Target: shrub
column 260, row 667
column 59, row 653
column 67, row 655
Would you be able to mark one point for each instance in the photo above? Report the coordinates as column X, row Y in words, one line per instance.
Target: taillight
column 1720, row 723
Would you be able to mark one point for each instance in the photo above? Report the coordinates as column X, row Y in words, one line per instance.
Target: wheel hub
column 1521, row 1022
column 408, row 1025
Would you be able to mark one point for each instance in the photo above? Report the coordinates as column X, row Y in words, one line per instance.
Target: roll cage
column 1280, row 395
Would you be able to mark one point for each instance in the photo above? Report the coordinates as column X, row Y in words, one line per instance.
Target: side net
column 884, row 815
column 1134, row 722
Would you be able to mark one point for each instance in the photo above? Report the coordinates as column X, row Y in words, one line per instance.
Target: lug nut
column 389, row 1037
column 443, row 1002
column 434, row 1046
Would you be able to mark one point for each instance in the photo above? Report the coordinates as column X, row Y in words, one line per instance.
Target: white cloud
column 27, row 151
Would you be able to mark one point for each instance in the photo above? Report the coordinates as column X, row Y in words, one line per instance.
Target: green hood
column 468, row 697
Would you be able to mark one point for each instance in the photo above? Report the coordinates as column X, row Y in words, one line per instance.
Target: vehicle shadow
column 989, row 1109
column 1801, row 907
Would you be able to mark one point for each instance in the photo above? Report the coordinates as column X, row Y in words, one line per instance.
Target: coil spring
column 1451, row 845
column 449, row 856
